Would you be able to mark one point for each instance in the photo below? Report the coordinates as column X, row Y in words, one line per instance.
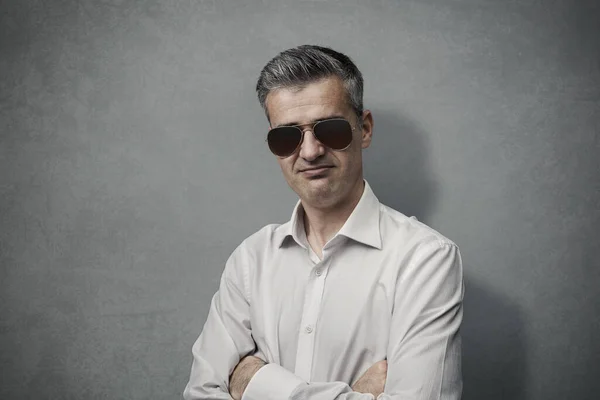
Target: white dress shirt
column 387, row 287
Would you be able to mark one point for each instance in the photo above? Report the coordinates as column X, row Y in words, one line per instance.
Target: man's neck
column 321, row 224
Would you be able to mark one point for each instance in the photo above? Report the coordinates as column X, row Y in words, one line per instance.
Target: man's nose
column 311, row 148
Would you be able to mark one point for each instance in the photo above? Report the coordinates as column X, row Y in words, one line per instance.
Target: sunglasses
column 335, row 133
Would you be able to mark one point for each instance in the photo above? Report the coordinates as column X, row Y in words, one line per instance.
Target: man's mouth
column 314, row 171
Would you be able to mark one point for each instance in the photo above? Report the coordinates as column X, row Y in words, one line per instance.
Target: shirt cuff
column 271, row 382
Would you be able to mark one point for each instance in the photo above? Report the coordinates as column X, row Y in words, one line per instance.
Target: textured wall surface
column 132, row 162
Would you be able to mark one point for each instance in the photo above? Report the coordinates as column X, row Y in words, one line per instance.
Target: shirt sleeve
column 273, row 382
column 424, row 352
column 226, row 337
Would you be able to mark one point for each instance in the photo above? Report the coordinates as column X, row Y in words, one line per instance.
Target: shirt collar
column 362, row 225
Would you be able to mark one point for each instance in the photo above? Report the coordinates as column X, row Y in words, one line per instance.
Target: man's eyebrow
column 294, row 123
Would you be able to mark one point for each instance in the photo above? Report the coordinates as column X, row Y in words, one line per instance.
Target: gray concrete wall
column 132, row 162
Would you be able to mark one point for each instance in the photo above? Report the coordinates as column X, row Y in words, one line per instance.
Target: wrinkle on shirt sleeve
column 424, row 352
column 226, row 336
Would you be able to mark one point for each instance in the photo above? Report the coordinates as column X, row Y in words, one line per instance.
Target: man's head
column 301, row 86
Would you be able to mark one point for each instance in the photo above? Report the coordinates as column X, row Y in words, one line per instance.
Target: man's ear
column 367, row 129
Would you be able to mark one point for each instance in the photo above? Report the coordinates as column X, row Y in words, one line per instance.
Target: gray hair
column 302, row 65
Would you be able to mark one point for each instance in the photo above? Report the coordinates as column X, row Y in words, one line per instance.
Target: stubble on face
column 323, row 99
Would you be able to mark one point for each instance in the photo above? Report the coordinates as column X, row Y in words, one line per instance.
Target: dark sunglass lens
column 334, row 133
column 284, row 140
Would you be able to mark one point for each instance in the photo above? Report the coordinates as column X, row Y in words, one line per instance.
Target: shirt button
column 308, row 329
column 319, row 272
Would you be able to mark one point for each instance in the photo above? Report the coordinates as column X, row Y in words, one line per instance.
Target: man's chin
column 317, row 191
column 318, row 184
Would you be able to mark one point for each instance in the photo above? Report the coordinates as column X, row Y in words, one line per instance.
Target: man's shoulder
column 265, row 237
column 399, row 227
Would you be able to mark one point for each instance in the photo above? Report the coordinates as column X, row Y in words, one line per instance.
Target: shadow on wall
column 398, row 169
column 396, row 166
column 494, row 347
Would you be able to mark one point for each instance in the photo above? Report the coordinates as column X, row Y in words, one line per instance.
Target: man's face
column 321, row 177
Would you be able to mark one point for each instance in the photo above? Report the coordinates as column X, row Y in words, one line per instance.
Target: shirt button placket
column 312, row 305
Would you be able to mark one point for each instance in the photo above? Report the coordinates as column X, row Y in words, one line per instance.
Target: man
column 350, row 299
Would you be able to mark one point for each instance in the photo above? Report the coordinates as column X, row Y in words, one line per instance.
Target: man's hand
column 241, row 375
column 372, row 381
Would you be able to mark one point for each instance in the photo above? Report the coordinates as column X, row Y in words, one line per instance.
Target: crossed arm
column 372, row 381
column 423, row 357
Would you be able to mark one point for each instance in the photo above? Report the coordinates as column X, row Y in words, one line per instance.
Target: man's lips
column 315, row 170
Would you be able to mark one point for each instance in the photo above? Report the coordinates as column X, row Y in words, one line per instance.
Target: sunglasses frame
column 311, row 126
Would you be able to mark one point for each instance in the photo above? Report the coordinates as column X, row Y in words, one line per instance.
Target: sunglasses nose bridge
column 311, row 148
column 304, row 130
